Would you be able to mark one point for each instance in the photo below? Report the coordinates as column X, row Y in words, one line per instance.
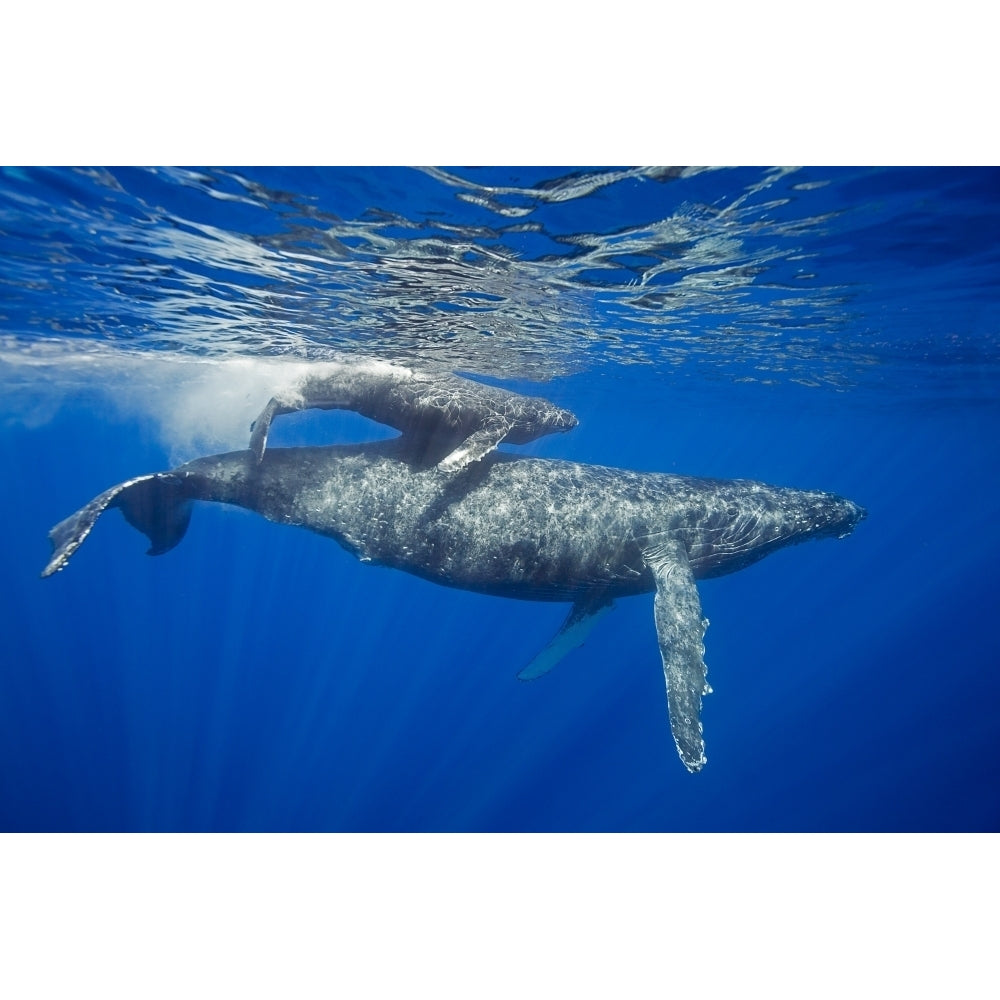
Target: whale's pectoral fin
column 475, row 446
column 573, row 633
column 158, row 505
column 680, row 629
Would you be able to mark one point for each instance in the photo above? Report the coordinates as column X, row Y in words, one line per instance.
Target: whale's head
column 826, row 515
column 745, row 521
column 561, row 420
column 535, row 417
column 840, row 516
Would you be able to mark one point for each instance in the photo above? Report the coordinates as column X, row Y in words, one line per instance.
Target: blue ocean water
column 834, row 329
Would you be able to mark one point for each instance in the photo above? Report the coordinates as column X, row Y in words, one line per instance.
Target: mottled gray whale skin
column 534, row 529
column 445, row 419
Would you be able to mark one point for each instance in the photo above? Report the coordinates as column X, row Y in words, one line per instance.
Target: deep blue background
column 258, row 678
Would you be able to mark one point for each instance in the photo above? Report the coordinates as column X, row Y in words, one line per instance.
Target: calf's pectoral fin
column 260, row 427
column 680, row 629
column 574, row 631
column 475, row 446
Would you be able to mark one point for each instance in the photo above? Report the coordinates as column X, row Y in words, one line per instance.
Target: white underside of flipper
column 680, row 630
column 476, row 446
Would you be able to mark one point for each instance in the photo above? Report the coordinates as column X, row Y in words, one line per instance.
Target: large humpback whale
column 445, row 419
column 514, row 527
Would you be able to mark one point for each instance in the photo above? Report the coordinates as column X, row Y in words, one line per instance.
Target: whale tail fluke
column 157, row 505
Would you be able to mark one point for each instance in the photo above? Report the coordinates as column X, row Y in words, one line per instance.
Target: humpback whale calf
column 535, row 529
column 448, row 420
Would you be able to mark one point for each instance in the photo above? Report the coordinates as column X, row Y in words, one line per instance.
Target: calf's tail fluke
column 158, row 505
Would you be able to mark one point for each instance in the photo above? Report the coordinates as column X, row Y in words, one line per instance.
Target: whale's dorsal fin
column 680, row 629
column 573, row 633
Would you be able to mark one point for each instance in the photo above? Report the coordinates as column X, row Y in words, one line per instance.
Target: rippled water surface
column 819, row 276
column 831, row 328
